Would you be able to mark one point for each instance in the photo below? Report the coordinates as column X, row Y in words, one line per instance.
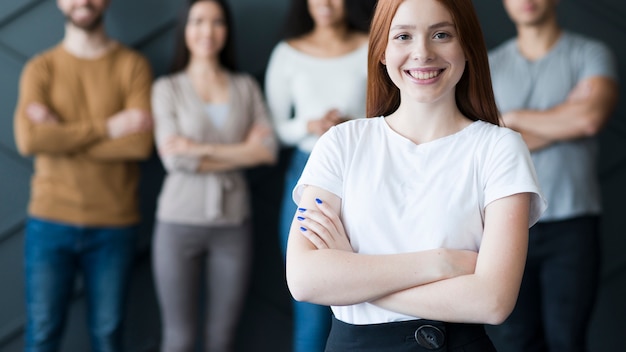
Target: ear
column 382, row 60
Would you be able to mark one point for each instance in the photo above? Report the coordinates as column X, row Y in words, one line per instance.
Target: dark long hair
column 299, row 20
column 181, row 53
column 474, row 93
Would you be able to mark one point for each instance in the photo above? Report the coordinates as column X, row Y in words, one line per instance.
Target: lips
column 424, row 74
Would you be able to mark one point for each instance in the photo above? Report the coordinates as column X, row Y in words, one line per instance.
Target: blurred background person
column 558, row 89
column 84, row 113
column 211, row 124
column 315, row 79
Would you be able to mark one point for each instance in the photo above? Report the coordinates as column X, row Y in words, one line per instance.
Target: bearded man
column 84, row 114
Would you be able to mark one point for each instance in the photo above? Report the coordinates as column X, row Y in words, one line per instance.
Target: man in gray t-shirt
column 557, row 89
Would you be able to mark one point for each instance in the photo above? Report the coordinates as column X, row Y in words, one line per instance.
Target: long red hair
column 474, row 92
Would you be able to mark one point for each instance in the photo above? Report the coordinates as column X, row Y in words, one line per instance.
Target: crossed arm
column 440, row 284
column 252, row 151
column 584, row 113
column 125, row 135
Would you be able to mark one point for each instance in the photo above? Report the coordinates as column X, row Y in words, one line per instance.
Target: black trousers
column 408, row 336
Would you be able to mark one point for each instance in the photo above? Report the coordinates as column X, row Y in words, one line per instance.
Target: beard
column 90, row 26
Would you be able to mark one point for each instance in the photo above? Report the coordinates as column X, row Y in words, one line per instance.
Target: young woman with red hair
column 413, row 224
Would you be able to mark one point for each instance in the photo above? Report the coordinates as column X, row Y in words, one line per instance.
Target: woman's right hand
column 320, row 126
column 323, row 228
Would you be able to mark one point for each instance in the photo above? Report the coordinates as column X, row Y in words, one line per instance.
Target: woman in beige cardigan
column 210, row 124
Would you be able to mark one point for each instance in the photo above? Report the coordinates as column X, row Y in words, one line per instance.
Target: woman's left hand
column 323, row 228
column 177, row 145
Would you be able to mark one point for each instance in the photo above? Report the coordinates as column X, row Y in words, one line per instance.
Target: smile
column 423, row 75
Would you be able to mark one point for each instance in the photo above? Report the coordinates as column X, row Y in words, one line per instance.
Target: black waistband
column 413, row 335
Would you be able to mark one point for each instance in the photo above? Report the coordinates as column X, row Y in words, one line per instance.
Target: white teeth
column 424, row 75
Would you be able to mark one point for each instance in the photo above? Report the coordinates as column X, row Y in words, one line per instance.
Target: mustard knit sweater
column 82, row 176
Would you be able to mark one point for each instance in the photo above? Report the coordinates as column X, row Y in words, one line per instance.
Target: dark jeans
column 558, row 289
column 54, row 255
column 311, row 321
column 408, row 336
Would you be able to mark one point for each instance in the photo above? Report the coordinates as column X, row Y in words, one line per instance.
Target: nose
column 422, row 50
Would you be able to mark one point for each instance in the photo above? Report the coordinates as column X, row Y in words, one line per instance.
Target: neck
column 535, row 41
column 422, row 123
column 206, row 68
column 86, row 44
column 330, row 34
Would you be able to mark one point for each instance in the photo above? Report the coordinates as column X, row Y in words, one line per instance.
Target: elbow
column 24, row 147
column 591, row 127
column 303, row 286
column 270, row 158
column 497, row 310
column 298, row 287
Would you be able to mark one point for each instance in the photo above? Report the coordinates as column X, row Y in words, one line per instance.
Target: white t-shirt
column 401, row 197
column 300, row 88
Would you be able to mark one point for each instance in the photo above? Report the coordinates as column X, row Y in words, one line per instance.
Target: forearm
column 291, row 131
column 535, row 142
column 237, row 154
column 56, row 138
column 584, row 113
column 564, row 122
column 136, row 146
column 333, row 277
column 463, row 299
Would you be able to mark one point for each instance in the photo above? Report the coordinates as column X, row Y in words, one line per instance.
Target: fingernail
column 302, row 210
column 318, row 201
column 300, row 218
column 303, row 229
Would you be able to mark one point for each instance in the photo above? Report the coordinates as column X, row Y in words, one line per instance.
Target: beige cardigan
column 213, row 198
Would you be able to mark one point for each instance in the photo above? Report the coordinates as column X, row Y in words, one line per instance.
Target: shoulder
column 353, row 130
column 242, row 79
column 129, row 58
column 167, row 83
column 489, row 135
column 43, row 61
column 590, row 56
column 579, row 41
column 244, row 83
column 503, row 49
column 282, row 49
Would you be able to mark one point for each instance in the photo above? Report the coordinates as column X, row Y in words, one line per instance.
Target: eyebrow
column 433, row 26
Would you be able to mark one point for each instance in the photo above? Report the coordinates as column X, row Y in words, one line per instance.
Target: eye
column 441, row 35
column 403, row 37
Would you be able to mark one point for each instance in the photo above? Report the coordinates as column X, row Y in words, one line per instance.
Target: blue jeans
column 54, row 254
column 311, row 321
column 558, row 290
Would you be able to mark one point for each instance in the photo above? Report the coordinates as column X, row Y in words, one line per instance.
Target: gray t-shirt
column 566, row 170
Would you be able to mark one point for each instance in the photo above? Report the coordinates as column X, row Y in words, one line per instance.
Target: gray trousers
column 181, row 253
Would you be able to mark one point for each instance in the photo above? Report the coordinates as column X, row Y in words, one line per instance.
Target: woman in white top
column 422, row 211
column 210, row 124
column 316, row 78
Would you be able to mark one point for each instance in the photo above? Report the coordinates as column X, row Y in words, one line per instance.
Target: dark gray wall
column 30, row 26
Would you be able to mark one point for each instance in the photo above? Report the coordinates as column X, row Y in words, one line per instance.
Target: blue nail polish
column 318, row 201
column 303, row 229
column 302, row 210
column 300, row 218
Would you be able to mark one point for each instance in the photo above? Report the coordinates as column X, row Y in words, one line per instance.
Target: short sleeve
column 325, row 167
column 597, row 60
column 509, row 170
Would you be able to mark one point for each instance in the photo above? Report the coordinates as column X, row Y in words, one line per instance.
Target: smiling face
column 424, row 58
column 327, row 12
column 83, row 14
column 205, row 32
